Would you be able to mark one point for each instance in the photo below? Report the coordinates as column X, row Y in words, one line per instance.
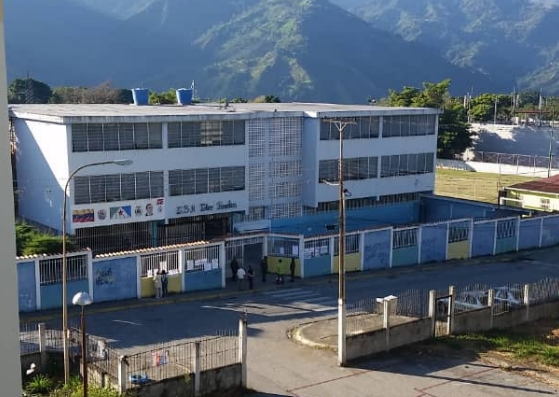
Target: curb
column 361, row 275
column 296, row 335
column 539, row 373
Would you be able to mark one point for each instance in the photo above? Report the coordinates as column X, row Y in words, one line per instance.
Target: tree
column 266, row 99
column 163, row 98
column 30, row 241
column 454, row 131
column 28, row 90
column 103, row 94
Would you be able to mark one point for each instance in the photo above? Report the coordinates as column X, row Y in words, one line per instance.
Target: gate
column 442, row 314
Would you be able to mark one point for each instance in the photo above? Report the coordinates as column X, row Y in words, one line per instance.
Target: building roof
column 68, row 113
column 545, row 185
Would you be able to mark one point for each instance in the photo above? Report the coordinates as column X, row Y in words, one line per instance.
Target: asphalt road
column 279, row 367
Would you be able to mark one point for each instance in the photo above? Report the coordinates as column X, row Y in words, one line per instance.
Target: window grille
column 257, row 175
column 206, row 133
column 284, row 169
column 168, row 261
column 256, row 138
column 206, row 180
column 282, row 246
column 202, row 259
column 285, row 190
column 118, row 187
column 50, row 270
column 286, row 136
column 97, row 137
column 458, row 232
column 404, row 238
column 364, row 128
column 351, row 244
column 317, row 248
column 506, row 228
column 408, row 125
column 407, row 164
column 353, row 169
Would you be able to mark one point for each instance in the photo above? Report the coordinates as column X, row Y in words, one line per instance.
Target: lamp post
column 83, row 299
column 64, row 264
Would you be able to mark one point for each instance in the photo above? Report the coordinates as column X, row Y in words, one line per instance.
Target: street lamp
column 83, row 299
column 64, row 270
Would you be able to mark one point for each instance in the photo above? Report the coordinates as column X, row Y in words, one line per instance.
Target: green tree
column 454, row 135
column 28, row 90
column 266, row 99
column 163, row 98
column 30, row 241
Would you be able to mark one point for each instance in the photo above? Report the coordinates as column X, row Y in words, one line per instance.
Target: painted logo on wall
column 102, row 215
column 123, row 212
column 83, row 216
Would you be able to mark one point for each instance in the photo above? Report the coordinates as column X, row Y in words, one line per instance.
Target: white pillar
column 90, row 274
column 43, row 345
column 302, row 255
column 182, row 268
column 342, row 342
column 122, row 372
column 196, row 368
column 243, row 350
column 223, row 263
column 450, row 317
column 433, row 310
column 490, row 303
column 527, row 300
column 37, row 284
column 386, row 323
column 139, row 278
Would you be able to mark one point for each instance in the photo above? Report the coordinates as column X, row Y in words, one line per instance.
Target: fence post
column 196, row 367
column 490, row 301
column 243, row 349
column 450, row 314
column 433, row 310
column 43, row 346
column 386, row 322
column 527, row 300
column 122, row 371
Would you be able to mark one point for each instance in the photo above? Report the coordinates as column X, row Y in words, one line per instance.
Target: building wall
column 311, row 138
column 533, row 200
column 281, row 265
column 404, row 256
column 41, row 171
column 26, row 286
column 352, row 262
column 318, row 266
column 530, row 232
column 435, row 209
column 115, row 279
column 506, row 243
column 376, row 250
column 51, row 295
column 433, row 242
column 197, row 281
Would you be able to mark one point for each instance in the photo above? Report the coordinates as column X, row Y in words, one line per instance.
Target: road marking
column 293, row 295
column 127, row 322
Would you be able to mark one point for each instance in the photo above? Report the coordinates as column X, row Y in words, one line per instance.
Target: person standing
column 158, row 284
column 292, row 269
column 250, row 275
column 164, row 283
column 264, row 268
column 234, row 268
column 240, row 277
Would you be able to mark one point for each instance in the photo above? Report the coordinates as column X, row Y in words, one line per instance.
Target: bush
column 29, row 241
column 40, row 384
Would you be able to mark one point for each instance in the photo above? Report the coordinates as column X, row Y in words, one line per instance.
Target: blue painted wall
column 483, row 238
column 550, row 231
column 530, row 230
column 199, row 281
column 26, row 286
column 318, row 266
column 441, row 209
column 115, row 279
column 433, row 243
column 506, row 244
column 51, row 295
column 404, row 256
column 376, row 252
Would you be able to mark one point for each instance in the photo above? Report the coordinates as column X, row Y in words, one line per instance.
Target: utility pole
column 495, row 112
column 341, row 124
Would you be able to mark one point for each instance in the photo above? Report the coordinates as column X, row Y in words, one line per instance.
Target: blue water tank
column 184, row 96
column 140, row 96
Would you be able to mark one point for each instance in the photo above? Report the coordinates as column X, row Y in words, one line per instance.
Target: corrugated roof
column 546, row 185
column 152, row 250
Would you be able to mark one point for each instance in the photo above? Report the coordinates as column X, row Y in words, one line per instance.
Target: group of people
column 161, row 283
column 239, row 273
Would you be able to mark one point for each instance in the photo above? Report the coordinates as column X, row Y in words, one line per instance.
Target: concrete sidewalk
column 231, row 290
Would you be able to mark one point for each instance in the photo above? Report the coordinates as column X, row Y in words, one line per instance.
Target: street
column 279, row 367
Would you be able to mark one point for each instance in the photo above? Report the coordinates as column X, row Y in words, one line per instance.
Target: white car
column 464, row 301
column 507, row 298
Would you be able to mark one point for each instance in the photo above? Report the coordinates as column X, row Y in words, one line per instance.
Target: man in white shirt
column 240, row 277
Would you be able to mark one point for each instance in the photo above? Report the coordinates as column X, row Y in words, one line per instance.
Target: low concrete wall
column 472, row 321
column 412, row 332
column 495, row 168
column 223, row 381
column 366, row 344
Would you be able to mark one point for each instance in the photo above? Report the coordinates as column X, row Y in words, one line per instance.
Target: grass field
column 477, row 186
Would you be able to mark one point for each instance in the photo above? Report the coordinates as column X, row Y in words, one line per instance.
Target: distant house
column 541, row 194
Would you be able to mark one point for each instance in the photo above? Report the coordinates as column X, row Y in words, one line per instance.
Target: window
column 204, row 180
column 407, row 164
column 206, row 133
column 404, row 238
column 506, row 228
column 280, row 246
column 353, row 169
column 168, row 261
column 364, row 128
column 50, row 270
column 317, row 248
column 544, row 204
column 351, row 244
column 118, row 187
column 202, row 259
column 458, row 232
column 97, row 137
column 408, row 125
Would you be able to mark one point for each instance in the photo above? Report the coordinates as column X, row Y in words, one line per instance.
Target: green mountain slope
column 516, row 38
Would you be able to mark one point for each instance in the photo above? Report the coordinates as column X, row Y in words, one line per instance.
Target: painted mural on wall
column 104, row 214
column 115, row 279
column 376, row 253
column 205, row 207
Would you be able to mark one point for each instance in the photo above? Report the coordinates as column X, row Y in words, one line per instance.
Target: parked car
column 464, row 301
column 508, row 298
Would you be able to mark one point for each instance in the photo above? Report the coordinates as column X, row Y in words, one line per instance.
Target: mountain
column 516, row 38
column 307, row 50
column 121, row 9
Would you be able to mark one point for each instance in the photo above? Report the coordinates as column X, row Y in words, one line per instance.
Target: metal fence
column 519, row 160
column 362, row 315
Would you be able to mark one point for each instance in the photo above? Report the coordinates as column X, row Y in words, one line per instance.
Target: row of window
column 407, row 164
column 118, row 187
column 353, row 169
column 98, row 137
column 206, row 180
column 327, row 206
column 369, row 127
column 206, row 133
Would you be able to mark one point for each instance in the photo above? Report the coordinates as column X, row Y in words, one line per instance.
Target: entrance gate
column 442, row 313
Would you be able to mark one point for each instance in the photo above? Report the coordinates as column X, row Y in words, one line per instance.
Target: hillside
column 295, row 49
column 516, row 38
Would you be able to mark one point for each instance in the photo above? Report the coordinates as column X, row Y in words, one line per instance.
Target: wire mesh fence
column 516, row 159
column 29, row 338
column 363, row 315
column 219, row 351
column 413, row 303
column 546, row 290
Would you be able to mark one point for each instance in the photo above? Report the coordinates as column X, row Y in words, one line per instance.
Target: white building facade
column 200, row 170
